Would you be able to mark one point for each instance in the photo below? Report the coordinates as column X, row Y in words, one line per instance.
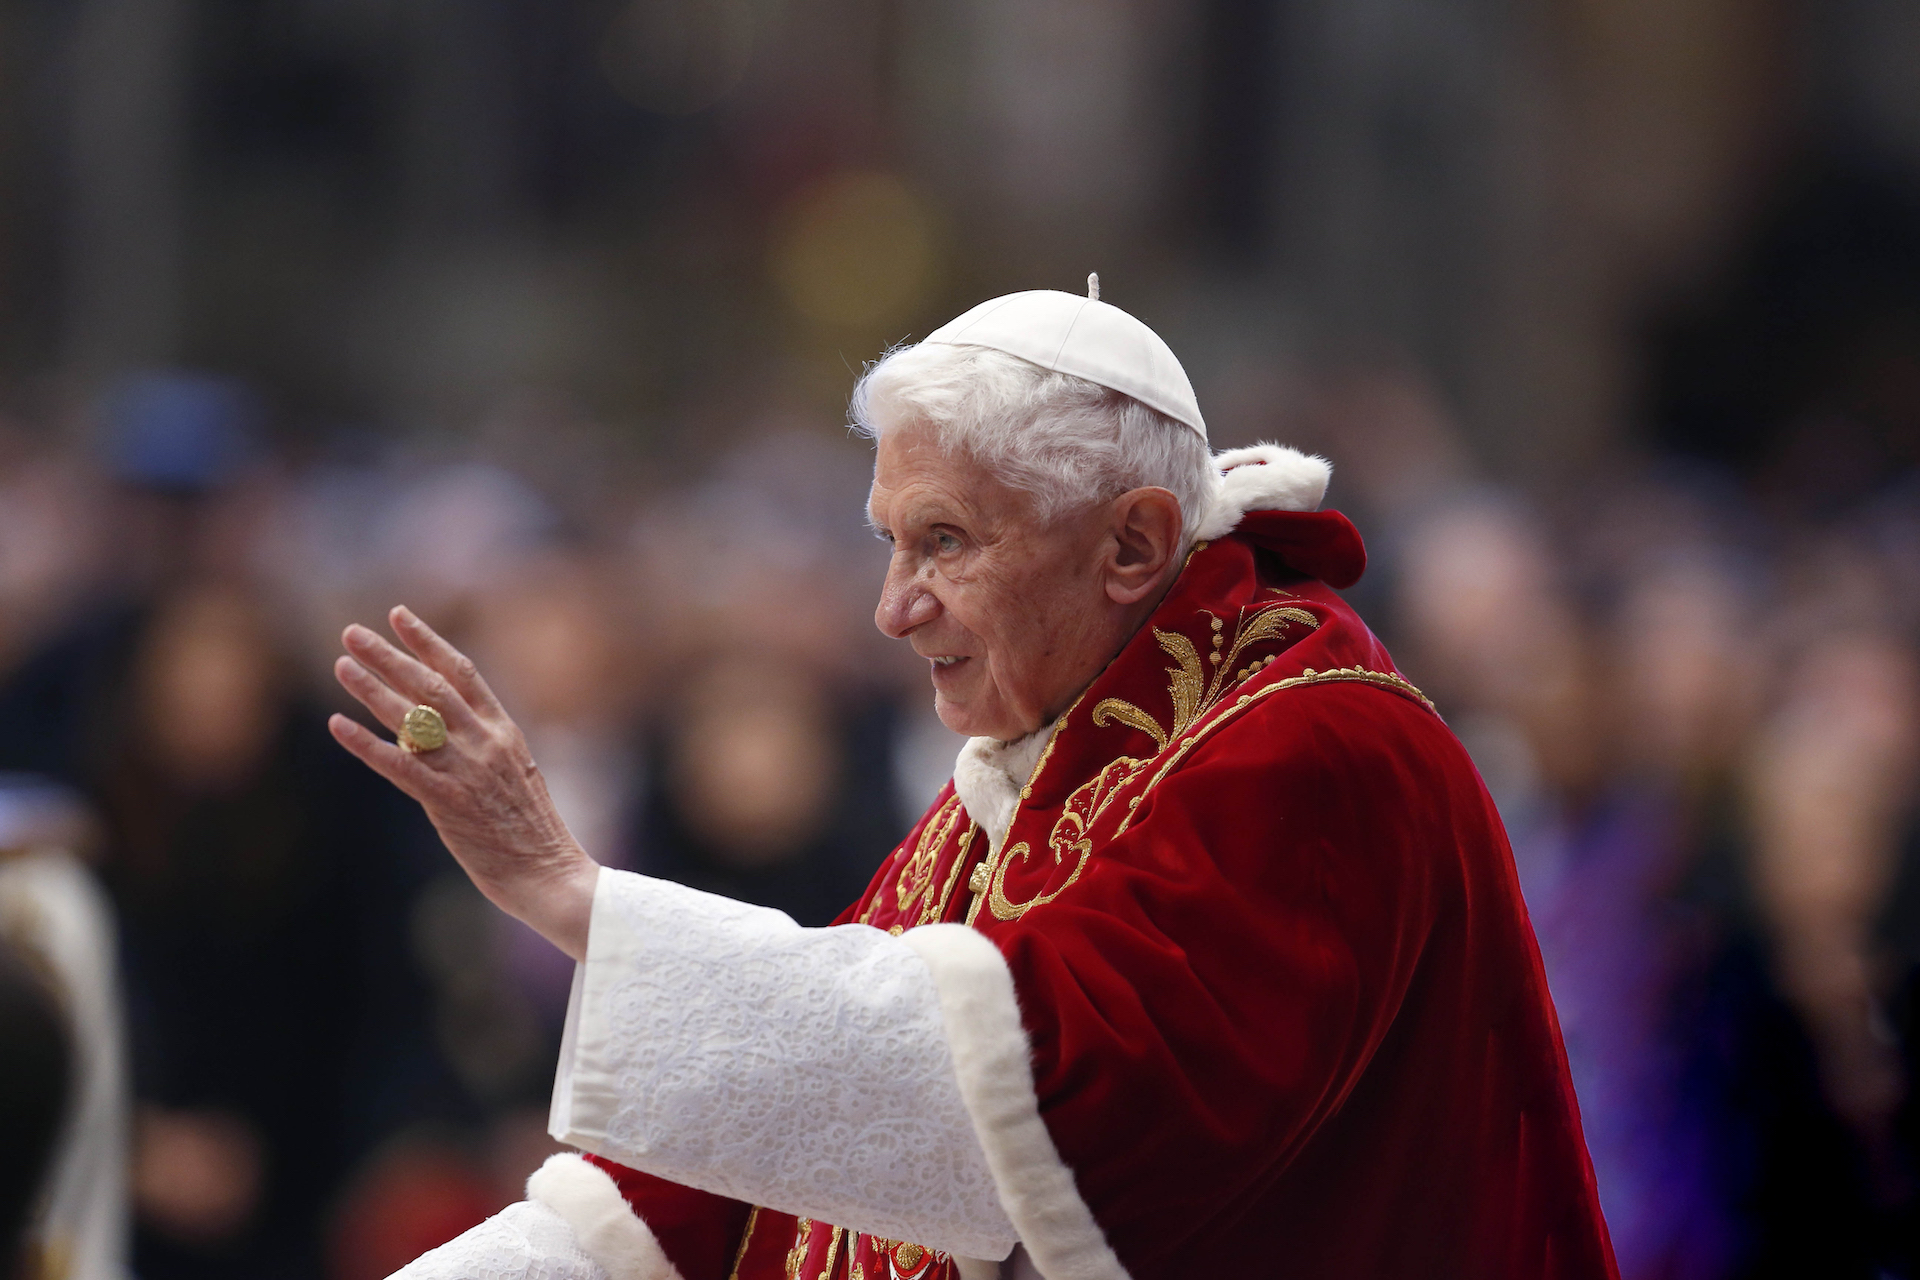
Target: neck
column 1128, row 622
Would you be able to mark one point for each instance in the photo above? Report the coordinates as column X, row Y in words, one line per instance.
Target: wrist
column 558, row 904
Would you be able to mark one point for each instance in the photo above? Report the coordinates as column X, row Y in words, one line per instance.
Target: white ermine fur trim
column 610, row 1232
column 988, row 777
column 991, row 1059
column 1263, row 477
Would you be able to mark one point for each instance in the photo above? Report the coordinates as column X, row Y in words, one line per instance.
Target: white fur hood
column 1263, row 477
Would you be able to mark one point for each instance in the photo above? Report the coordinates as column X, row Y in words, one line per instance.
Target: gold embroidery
column 937, row 910
column 1069, row 837
column 753, row 1220
column 908, row 1255
column 833, row 1253
column 1026, row 792
column 797, row 1255
column 916, row 877
column 982, row 877
column 1353, row 675
column 1192, row 693
column 1112, row 709
column 981, row 881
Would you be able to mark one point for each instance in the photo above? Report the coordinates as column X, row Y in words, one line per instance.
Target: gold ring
column 422, row 730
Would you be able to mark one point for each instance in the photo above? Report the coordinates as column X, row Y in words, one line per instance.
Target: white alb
column 724, row 1047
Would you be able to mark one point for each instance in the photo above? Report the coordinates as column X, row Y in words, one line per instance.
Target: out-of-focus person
column 772, row 786
column 36, row 1082
column 55, row 917
column 261, row 890
column 775, row 722
column 549, row 626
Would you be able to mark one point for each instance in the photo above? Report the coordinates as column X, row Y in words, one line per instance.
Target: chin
column 976, row 723
column 956, row 717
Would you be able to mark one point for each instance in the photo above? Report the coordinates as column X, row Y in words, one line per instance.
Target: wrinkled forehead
column 917, row 478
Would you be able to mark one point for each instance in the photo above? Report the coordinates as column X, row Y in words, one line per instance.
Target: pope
column 1209, row 961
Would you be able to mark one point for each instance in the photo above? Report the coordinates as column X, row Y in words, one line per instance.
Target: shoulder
column 1326, row 720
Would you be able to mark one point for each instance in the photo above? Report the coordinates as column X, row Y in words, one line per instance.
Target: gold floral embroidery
column 916, row 877
column 937, row 910
column 1191, row 690
column 1069, row 837
column 982, row 877
column 908, row 1255
column 1354, row 675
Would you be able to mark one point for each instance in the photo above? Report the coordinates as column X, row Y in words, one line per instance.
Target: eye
column 945, row 543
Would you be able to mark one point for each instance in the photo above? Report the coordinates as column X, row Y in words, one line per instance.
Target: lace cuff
column 724, row 1047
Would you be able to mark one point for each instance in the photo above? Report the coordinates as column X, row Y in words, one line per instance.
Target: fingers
column 388, row 707
column 431, row 649
column 390, row 762
column 408, row 676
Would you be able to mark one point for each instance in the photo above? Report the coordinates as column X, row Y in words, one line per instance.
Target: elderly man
column 1210, row 961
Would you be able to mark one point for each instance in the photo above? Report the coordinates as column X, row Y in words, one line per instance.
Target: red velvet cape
column 1286, row 1011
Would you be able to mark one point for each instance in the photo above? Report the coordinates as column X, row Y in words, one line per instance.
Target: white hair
column 1095, row 444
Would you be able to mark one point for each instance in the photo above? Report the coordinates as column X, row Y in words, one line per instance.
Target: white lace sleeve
column 524, row 1241
column 724, row 1047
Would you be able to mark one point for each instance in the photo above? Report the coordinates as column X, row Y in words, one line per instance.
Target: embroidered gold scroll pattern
column 1192, row 690
column 916, row 876
column 982, row 879
column 1069, row 837
column 937, row 910
column 1338, row 675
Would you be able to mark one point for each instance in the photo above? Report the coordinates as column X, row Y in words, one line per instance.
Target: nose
column 906, row 601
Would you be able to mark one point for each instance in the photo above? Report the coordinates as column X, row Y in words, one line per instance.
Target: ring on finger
column 423, row 730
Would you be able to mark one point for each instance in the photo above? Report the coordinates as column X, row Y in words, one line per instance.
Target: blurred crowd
column 1692, row 690
column 1688, row 675
column 1607, row 314
column 340, row 1053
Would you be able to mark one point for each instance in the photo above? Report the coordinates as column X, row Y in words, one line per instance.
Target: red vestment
column 1285, row 1011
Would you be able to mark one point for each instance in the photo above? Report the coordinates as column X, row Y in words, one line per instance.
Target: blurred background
column 541, row 317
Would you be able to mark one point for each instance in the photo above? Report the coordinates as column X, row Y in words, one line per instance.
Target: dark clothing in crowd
column 825, row 869
column 264, row 940
column 36, row 1081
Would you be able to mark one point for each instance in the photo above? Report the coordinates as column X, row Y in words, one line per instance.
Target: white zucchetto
column 1084, row 337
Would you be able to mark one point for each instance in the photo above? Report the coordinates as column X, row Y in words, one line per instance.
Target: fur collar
column 988, row 777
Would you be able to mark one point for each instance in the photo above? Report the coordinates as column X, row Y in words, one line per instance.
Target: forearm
column 724, row 1047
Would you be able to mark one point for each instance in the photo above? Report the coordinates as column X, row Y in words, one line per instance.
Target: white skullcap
column 1084, row 337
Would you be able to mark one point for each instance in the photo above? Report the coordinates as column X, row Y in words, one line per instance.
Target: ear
column 1145, row 538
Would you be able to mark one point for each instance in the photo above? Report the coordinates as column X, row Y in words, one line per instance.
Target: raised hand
column 482, row 789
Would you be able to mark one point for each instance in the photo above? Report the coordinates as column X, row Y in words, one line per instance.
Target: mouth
column 945, row 662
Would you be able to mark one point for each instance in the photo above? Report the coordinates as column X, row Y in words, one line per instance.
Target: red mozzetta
column 1283, row 1012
